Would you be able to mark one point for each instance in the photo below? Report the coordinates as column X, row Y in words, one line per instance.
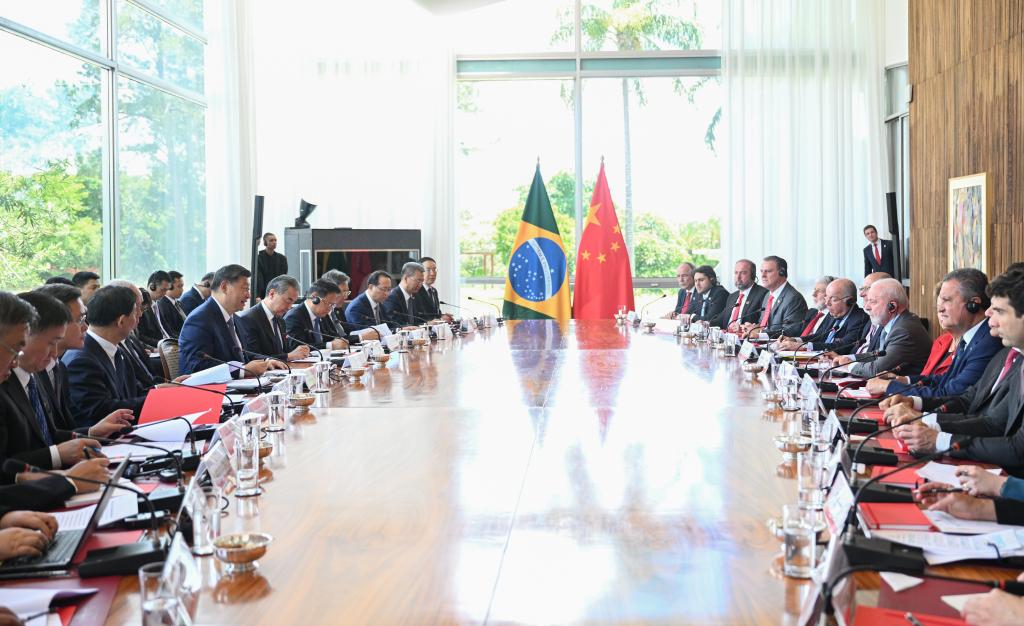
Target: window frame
column 110, row 70
column 578, row 65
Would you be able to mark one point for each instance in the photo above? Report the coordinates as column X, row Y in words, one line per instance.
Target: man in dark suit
column 151, row 327
column 400, row 305
column 878, row 255
column 843, row 325
column 711, row 297
column 269, row 264
column 197, row 294
column 428, row 301
column 783, row 305
column 687, row 290
column 815, row 316
column 962, row 303
column 352, row 332
column 746, row 303
column 262, row 327
column 101, row 379
column 170, row 311
column 309, row 321
column 899, row 333
column 365, row 310
column 27, row 430
column 208, row 336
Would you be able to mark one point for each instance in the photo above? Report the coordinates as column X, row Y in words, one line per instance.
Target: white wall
column 896, row 27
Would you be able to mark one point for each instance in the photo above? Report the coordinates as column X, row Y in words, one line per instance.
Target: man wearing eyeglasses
column 309, row 323
column 842, row 327
column 262, row 328
column 197, row 294
column 350, row 331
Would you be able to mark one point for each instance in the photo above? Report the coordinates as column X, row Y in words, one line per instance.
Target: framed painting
column 968, row 222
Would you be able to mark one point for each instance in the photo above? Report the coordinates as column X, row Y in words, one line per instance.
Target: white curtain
column 353, row 112
column 230, row 172
column 805, row 132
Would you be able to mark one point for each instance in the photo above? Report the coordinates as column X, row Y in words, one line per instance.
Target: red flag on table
column 603, row 279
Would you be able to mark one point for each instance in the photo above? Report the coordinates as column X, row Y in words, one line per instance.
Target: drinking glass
column 296, row 381
column 276, row 406
column 798, row 530
column 205, row 519
column 247, row 456
column 323, row 376
column 811, row 481
column 159, row 604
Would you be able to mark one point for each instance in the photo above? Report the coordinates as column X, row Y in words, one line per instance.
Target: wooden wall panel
column 967, row 116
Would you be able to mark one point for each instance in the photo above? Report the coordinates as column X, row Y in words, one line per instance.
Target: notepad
column 893, row 516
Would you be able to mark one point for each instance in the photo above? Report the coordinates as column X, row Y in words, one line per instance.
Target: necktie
column 412, row 311
column 181, row 311
column 869, row 340
column 814, row 321
column 234, row 338
column 686, row 302
column 437, row 301
column 277, row 335
column 1011, row 358
column 878, row 254
column 960, row 347
column 736, row 309
column 832, row 333
column 317, row 337
column 767, row 311
column 376, row 315
column 159, row 324
column 37, row 406
column 881, row 340
column 703, row 305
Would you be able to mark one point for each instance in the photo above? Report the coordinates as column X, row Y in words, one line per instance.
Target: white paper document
column 121, row 450
column 948, row 524
column 900, row 582
column 119, row 507
column 92, row 497
column 218, row 374
column 244, row 384
column 169, row 429
column 942, row 473
column 958, row 601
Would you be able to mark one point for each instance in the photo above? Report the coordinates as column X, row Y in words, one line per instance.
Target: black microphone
column 234, row 405
column 644, row 309
column 267, row 356
column 16, row 467
column 454, row 306
column 191, row 433
column 176, row 458
column 259, row 381
column 856, row 452
column 867, row 357
column 828, row 587
column 852, row 515
column 739, row 320
column 308, row 345
column 496, row 308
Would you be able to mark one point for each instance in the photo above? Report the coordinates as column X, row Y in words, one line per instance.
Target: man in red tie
column 878, row 255
column 784, row 305
column 687, row 290
column 812, row 320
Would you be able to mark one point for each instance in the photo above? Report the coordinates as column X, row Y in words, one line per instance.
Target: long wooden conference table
column 535, row 473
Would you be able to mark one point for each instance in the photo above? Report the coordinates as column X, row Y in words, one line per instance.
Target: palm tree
column 633, row 26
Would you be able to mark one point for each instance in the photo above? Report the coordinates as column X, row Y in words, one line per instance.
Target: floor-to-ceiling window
column 572, row 82
column 102, row 138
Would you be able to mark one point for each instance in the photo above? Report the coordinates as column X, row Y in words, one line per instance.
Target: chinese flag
column 603, row 280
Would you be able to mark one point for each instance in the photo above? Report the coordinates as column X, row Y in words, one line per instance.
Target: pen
column 29, row 618
column 913, row 620
column 955, row 490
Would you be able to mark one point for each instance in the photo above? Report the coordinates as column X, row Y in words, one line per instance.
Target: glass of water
column 205, row 519
column 798, row 530
column 247, row 456
column 276, row 407
column 296, row 380
column 323, row 376
column 159, row 604
column 811, row 482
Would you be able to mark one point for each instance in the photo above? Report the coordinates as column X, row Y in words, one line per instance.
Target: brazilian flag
column 537, row 283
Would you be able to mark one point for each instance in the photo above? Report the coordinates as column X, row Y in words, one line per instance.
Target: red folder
column 927, row 596
column 166, row 402
column 893, row 444
column 893, row 516
column 874, row 413
column 872, row 616
column 905, row 477
column 89, row 611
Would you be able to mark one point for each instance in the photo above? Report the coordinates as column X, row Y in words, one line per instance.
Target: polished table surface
column 535, row 473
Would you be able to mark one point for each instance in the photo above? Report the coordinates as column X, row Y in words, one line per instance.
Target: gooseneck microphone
column 15, row 467
column 234, row 405
column 496, row 307
column 191, row 433
column 267, row 356
column 644, row 309
column 867, row 359
column 311, row 347
column 259, row 381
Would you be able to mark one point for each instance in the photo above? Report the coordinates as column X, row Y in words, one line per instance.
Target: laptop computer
column 66, row 543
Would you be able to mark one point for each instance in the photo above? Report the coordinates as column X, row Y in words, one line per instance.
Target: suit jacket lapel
column 93, row 346
column 20, row 400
